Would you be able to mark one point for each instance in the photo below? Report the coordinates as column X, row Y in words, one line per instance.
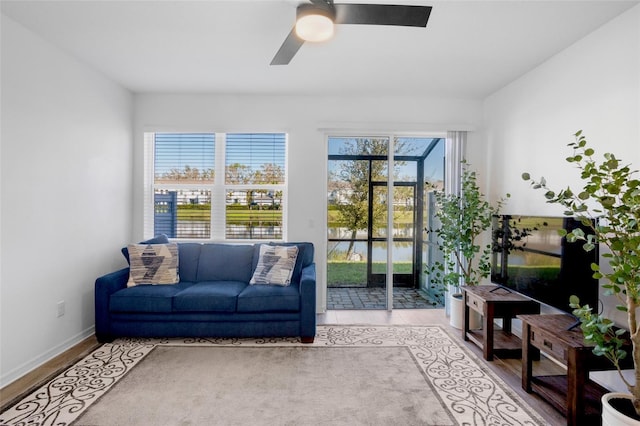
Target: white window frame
column 218, row 188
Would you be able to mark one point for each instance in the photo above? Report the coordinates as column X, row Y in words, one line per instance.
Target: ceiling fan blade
column 382, row 14
column 288, row 49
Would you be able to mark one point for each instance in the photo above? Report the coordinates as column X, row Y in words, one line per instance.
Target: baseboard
column 18, row 372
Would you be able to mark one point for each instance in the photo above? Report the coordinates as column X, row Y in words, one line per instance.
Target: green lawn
column 201, row 212
column 343, row 272
column 333, row 218
column 233, row 216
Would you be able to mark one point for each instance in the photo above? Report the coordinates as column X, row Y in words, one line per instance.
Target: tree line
column 235, row 174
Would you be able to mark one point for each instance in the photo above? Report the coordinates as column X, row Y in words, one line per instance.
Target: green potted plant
column 611, row 193
column 463, row 218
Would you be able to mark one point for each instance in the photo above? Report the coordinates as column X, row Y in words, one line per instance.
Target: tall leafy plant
column 463, row 218
column 611, row 192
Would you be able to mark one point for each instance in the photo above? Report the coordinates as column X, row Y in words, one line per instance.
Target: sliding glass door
column 358, row 209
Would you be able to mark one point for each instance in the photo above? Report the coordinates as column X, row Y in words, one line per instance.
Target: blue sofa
column 212, row 299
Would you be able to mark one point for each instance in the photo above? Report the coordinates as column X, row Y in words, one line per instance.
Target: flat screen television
column 530, row 257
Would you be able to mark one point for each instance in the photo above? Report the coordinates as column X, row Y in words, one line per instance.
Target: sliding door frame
column 390, row 183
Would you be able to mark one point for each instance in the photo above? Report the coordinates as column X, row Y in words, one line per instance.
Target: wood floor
column 508, row 370
column 19, row 388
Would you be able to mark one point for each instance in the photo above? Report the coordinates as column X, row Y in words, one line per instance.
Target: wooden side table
column 492, row 302
column 573, row 394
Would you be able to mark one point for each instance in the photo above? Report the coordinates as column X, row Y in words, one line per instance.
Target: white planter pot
column 611, row 416
column 456, row 312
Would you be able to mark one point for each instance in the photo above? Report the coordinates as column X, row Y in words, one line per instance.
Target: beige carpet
column 350, row 375
column 292, row 386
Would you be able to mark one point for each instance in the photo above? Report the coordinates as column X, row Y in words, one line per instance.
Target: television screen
column 530, row 257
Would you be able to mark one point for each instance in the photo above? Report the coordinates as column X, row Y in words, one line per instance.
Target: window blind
column 184, row 157
column 255, row 158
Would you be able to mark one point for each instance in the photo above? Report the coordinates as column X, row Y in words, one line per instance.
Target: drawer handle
column 547, row 344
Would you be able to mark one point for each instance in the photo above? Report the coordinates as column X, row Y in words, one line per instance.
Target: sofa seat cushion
column 269, row 298
column 209, row 296
column 146, row 298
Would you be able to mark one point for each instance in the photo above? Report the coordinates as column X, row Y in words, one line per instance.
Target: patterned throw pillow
column 158, row 239
column 153, row 264
column 275, row 265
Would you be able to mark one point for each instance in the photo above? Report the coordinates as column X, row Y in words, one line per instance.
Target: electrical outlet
column 61, row 308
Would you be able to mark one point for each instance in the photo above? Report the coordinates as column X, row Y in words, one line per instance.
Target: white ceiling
column 468, row 50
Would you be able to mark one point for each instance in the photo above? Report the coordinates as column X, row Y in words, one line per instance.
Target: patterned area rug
column 438, row 382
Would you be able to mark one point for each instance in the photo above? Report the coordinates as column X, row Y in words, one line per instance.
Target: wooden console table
column 493, row 302
column 574, row 394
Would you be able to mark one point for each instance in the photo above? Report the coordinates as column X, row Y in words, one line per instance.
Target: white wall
column 593, row 85
column 66, row 195
column 306, row 120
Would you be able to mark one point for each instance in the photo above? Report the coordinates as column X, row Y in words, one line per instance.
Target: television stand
column 573, row 394
column 492, row 304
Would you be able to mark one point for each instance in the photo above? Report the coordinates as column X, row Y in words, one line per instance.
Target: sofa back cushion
column 225, row 262
column 189, row 258
column 305, row 254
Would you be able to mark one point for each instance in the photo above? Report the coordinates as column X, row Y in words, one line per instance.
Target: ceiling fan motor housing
column 315, row 22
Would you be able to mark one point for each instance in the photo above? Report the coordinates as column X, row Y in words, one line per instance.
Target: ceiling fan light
column 314, row 23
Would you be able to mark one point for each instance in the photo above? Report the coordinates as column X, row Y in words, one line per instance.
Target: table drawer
column 548, row 343
column 474, row 302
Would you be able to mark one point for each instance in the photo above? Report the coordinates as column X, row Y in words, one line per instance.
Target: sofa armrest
column 105, row 286
column 308, row 303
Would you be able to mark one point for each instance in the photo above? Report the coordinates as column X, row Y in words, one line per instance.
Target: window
column 189, row 198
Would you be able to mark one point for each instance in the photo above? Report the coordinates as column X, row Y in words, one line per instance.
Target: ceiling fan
column 315, row 21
